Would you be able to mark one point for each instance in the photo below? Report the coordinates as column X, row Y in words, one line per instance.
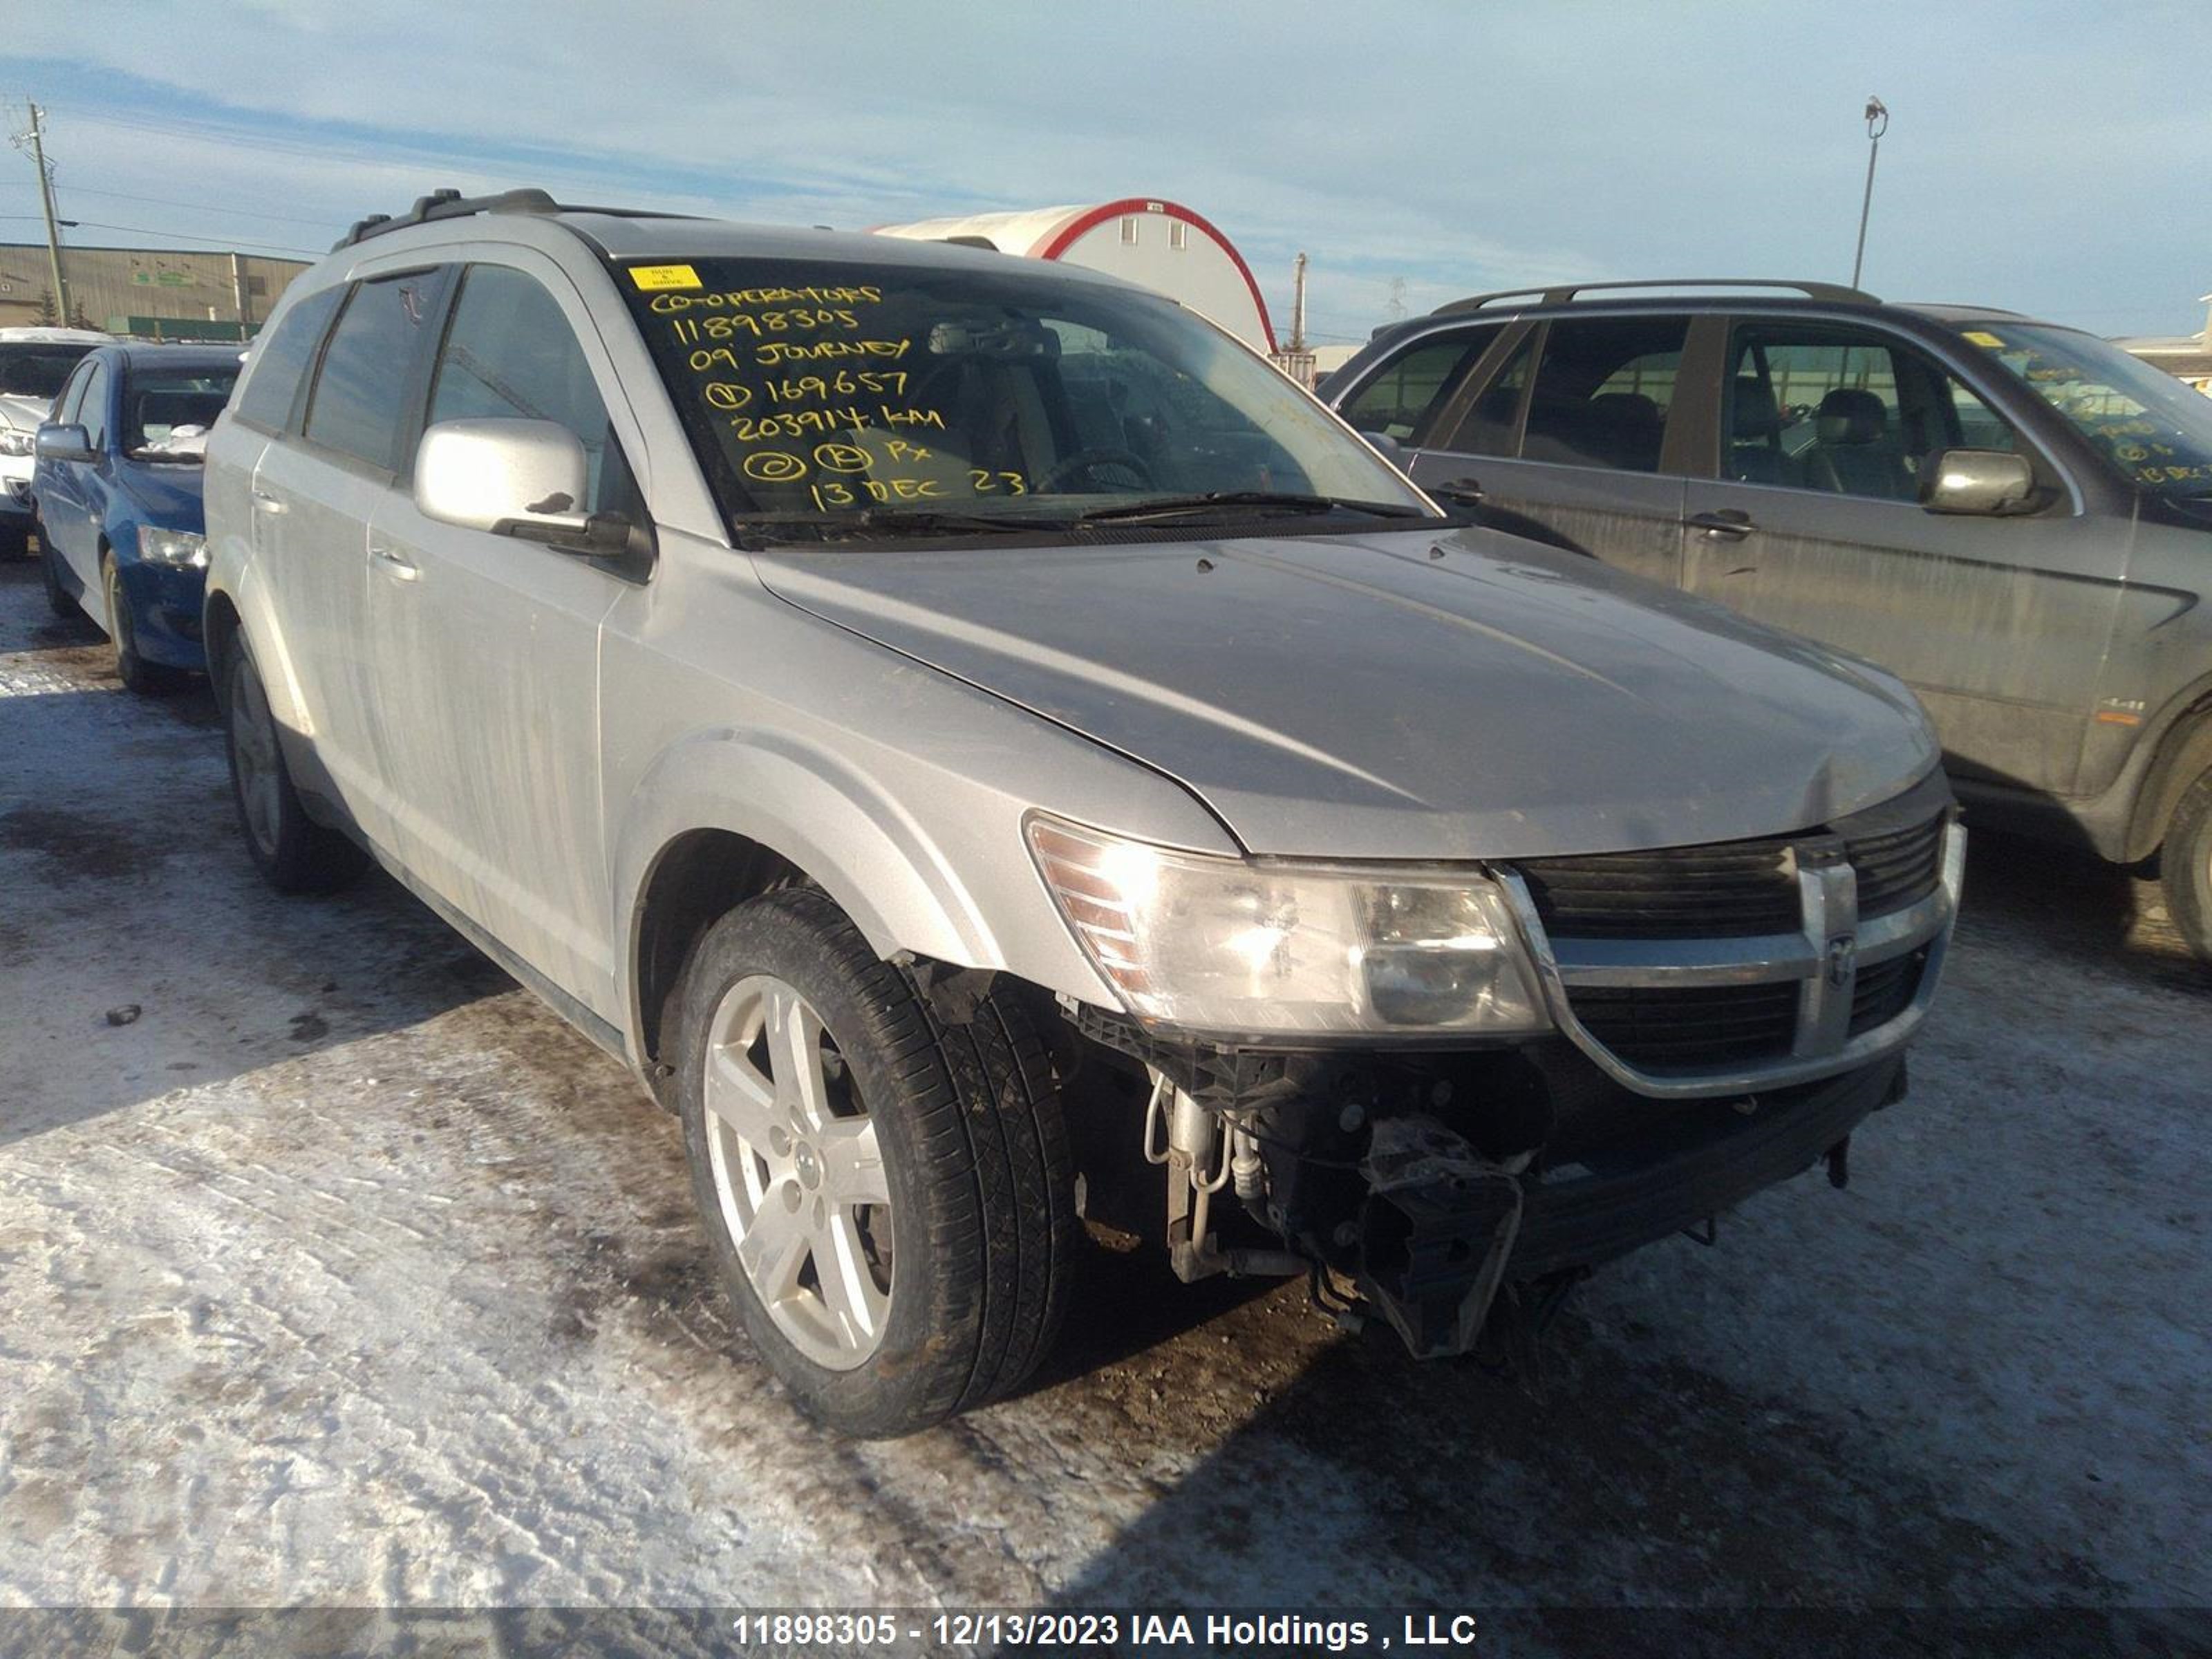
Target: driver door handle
column 1728, row 524
column 394, row 563
column 265, row 502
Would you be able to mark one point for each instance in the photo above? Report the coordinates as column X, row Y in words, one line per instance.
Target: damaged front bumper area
column 1684, row 1074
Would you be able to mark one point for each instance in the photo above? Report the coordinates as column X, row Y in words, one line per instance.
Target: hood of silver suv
column 1361, row 697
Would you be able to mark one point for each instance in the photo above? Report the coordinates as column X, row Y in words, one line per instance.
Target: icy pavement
column 344, row 1272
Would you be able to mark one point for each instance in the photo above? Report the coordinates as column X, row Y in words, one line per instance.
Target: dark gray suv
column 2015, row 517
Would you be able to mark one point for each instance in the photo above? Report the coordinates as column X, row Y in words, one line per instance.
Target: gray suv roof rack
column 1831, row 293
column 452, row 204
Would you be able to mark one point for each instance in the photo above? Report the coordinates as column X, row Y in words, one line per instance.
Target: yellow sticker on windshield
column 1986, row 340
column 654, row 279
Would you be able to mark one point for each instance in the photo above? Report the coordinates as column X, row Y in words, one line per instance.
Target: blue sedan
column 116, row 491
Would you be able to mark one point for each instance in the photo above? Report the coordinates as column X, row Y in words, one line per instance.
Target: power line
column 224, row 242
column 195, row 207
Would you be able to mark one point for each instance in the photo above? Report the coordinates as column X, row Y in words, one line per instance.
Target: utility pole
column 35, row 141
column 1297, row 305
column 1877, row 121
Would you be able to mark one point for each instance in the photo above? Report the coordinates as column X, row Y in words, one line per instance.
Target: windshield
column 836, row 398
column 37, row 371
column 166, row 412
column 2154, row 428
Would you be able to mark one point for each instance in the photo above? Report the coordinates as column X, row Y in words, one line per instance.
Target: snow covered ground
column 344, row 1272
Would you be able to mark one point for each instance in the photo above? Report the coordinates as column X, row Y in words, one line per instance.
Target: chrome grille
column 1737, row 889
column 1745, row 965
column 1897, row 867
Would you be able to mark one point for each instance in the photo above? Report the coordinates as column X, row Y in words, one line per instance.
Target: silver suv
column 992, row 755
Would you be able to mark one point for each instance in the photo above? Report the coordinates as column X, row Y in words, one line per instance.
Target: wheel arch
column 726, row 817
column 235, row 614
column 219, row 629
column 2184, row 754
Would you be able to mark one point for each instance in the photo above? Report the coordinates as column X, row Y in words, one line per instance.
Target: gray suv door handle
column 394, row 563
column 1728, row 524
column 265, row 502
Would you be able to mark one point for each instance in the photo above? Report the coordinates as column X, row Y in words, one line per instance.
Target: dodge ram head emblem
column 1841, row 950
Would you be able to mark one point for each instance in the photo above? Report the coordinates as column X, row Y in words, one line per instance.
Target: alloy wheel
column 798, row 1172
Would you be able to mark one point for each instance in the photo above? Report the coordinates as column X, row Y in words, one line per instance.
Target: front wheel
column 137, row 674
column 2185, row 868
column 295, row 853
column 885, row 1183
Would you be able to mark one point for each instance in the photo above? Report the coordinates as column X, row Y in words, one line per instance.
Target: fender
column 865, row 850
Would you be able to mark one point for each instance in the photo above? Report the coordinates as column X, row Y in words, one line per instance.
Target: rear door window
column 1605, row 387
column 1403, row 401
column 359, row 406
column 281, row 358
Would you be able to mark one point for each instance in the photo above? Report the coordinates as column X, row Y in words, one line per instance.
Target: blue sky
column 2047, row 158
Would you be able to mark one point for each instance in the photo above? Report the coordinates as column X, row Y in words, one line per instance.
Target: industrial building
column 160, row 293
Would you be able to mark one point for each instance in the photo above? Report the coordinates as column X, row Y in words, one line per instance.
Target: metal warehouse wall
column 109, row 285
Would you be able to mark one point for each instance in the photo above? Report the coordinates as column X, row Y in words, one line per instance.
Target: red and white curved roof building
column 1163, row 245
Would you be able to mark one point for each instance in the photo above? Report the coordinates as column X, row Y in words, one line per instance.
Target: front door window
column 1844, row 411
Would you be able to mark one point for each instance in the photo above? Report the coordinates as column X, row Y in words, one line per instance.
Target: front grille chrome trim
column 1810, row 957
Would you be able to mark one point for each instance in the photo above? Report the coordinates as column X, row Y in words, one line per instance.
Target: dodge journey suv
column 2014, row 516
column 994, row 755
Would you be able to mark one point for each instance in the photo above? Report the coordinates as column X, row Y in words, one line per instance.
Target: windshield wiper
column 1212, row 502
column 901, row 520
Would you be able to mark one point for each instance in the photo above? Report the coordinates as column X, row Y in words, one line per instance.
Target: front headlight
column 15, row 442
column 1235, row 947
column 176, row 547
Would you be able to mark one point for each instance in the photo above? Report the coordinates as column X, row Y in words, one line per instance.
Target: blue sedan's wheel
column 134, row 671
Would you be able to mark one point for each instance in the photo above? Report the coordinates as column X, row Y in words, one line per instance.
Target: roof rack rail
column 452, row 204
column 1829, row 293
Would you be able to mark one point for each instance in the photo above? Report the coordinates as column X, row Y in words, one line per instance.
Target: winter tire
column 883, row 1175
column 2185, row 868
column 295, row 853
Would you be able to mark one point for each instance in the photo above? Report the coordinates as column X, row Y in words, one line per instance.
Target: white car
column 34, row 363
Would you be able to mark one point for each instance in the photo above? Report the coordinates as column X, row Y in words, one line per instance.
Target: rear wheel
column 2185, row 868
column 134, row 671
column 887, row 1190
column 295, row 853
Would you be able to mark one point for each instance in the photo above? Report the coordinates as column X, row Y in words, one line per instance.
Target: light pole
column 1877, row 120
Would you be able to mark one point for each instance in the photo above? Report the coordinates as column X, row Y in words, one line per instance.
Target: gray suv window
column 1846, row 410
column 359, row 405
column 511, row 354
column 1603, row 390
column 1406, row 397
column 281, row 358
